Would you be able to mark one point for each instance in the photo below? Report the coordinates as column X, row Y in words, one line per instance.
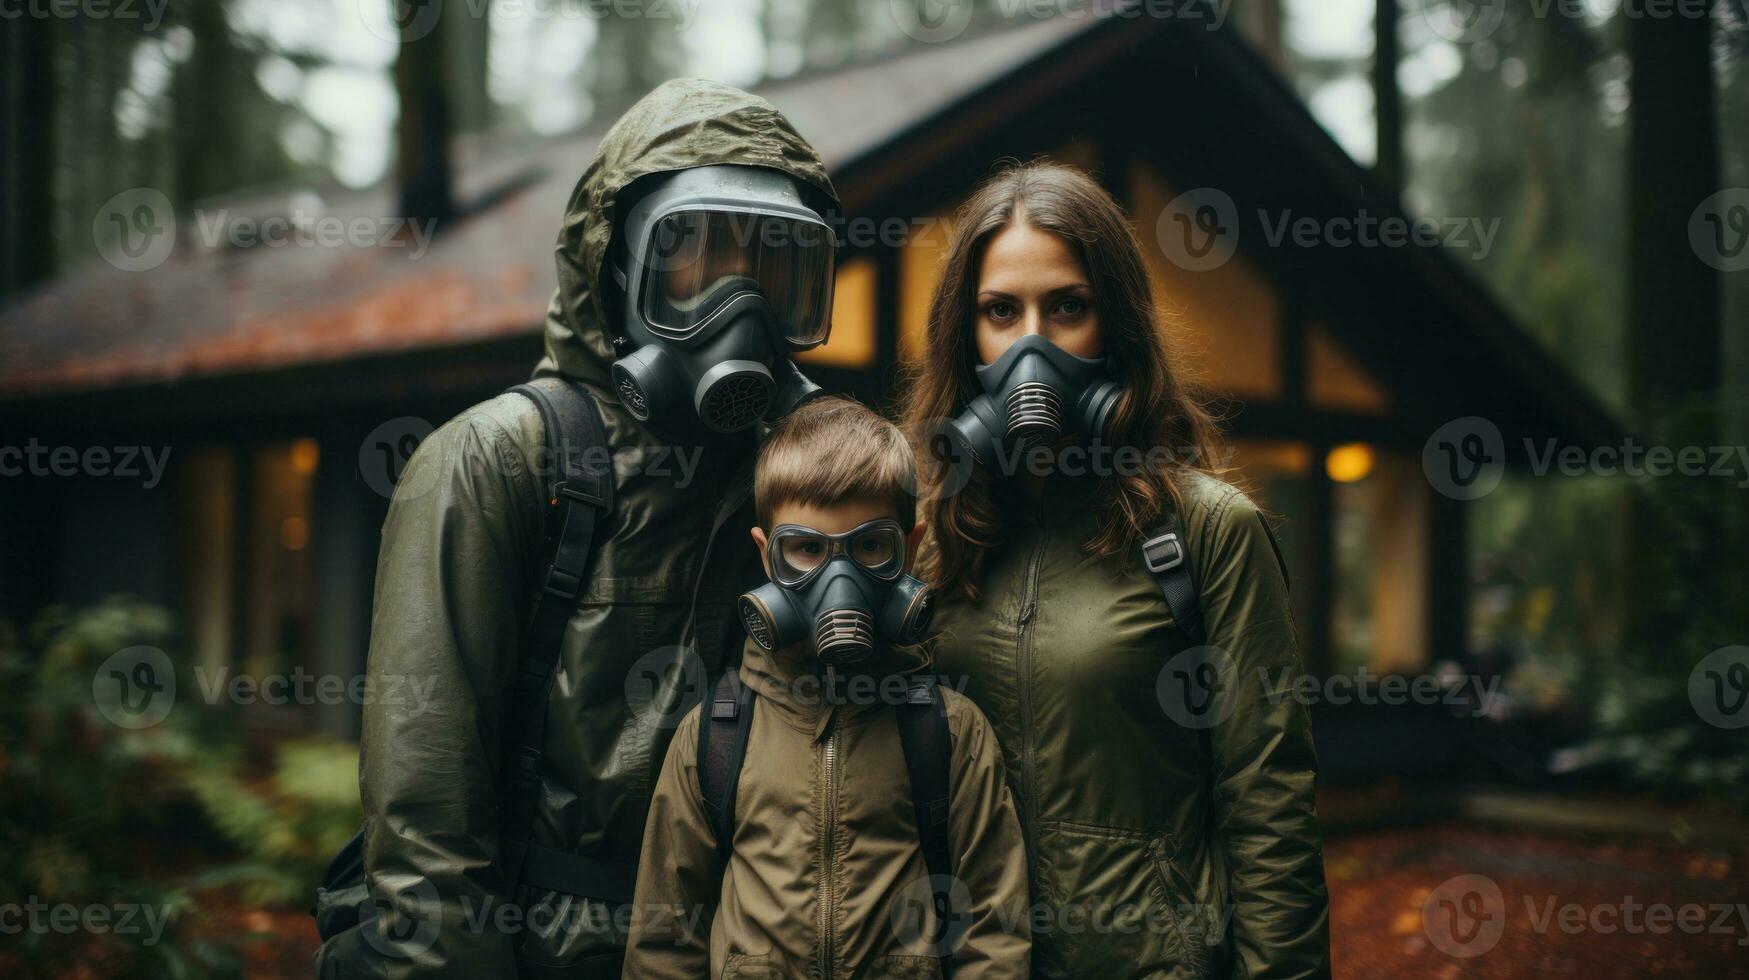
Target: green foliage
column 1557, row 571
column 287, row 826
column 167, row 819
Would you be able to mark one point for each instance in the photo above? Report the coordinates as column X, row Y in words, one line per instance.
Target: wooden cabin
column 287, row 383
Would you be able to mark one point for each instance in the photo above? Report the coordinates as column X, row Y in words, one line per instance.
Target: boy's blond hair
column 832, row 450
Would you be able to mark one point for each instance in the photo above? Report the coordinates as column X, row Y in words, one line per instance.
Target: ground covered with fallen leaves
column 1417, row 903
column 1462, row 902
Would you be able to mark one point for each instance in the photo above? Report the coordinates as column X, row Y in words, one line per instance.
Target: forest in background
column 1591, row 137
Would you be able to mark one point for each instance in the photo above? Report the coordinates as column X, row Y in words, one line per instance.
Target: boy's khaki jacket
column 826, row 862
column 456, row 575
column 1148, row 789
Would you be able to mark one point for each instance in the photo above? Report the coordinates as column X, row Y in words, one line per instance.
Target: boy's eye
column 803, row 554
column 873, row 550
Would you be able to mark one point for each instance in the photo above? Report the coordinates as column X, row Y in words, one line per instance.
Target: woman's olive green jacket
column 456, row 575
column 1169, row 821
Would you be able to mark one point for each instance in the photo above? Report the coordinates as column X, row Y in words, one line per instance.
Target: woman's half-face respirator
column 1033, row 394
column 727, row 274
column 837, row 591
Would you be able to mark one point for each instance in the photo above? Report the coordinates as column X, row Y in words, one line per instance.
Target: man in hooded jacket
column 456, row 577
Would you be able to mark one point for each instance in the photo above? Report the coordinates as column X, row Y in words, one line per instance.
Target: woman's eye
column 999, row 311
column 1071, row 307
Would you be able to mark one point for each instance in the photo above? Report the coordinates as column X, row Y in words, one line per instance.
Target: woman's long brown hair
column 1159, row 408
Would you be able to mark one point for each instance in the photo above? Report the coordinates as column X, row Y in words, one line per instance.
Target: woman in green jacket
column 1165, row 787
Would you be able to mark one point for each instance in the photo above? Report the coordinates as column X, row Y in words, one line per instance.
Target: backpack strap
column 579, row 492
column 1166, row 559
column 927, row 741
column 723, row 726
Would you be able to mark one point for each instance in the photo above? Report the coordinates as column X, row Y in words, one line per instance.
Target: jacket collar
column 789, row 681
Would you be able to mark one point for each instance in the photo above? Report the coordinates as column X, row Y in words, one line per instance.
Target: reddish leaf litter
column 1437, row 902
column 1451, row 901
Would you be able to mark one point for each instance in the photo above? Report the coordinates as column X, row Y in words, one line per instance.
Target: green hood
column 683, row 123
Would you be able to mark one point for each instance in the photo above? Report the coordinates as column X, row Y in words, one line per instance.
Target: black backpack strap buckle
column 1164, row 556
column 1162, row 553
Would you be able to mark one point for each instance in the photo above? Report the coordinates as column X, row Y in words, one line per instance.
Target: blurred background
column 1467, row 277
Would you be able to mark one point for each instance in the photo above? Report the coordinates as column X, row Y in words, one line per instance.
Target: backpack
column 578, row 499
column 923, row 736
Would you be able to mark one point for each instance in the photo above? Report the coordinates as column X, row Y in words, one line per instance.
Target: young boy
column 827, row 873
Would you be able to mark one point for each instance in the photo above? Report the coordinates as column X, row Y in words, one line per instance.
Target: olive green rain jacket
column 826, row 863
column 1198, row 826
column 455, row 581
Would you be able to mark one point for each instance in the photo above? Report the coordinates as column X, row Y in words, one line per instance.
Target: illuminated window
column 207, row 505
column 852, row 344
column 920, row 262
column 1381, row 542
column 279, row 593
column 1226, row 321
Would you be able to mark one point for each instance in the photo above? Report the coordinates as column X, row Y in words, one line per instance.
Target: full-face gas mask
column 839, row 591
column 727, row 273
column 1034, row 393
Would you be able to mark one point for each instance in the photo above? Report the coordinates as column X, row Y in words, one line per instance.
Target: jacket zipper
column 1023, row 658
column 828, row 837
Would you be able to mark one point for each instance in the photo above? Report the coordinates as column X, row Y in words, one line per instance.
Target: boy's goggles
column 798, row 553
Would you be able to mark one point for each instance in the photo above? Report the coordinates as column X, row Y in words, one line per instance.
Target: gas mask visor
column 699, row 262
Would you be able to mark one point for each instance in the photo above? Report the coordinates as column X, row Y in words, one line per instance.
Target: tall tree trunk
column 470, row 41
column 27, row 113
column 206, row 132
column 1673, row 165
column 1388, row 95
column 422, row 163
column 1674, row 329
